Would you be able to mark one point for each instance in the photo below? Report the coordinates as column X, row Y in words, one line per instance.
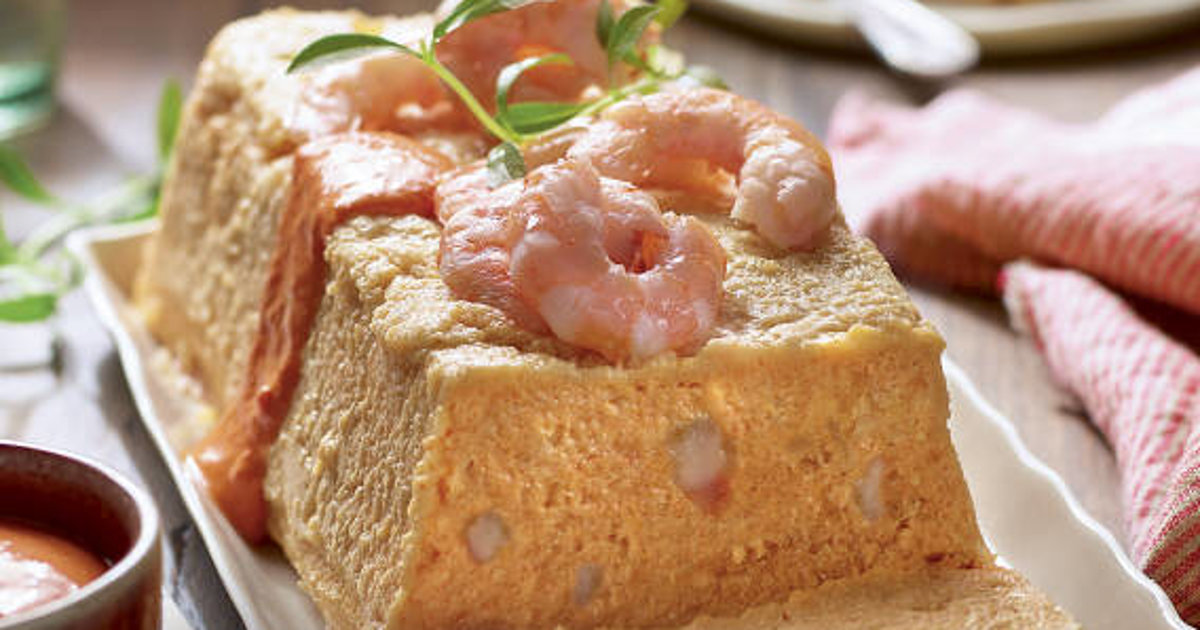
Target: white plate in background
column 1038, row 27
column 1025, row 510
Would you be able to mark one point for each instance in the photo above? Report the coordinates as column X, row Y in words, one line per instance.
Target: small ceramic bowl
column 104, row 513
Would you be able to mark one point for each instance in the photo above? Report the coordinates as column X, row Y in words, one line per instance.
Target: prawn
column 392, row 91
column 677, row 139
column 387, row 91
column 592, row 259
column 477, row 236
column 477, row 52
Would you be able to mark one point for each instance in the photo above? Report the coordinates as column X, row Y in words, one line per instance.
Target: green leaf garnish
column 170, row 107
column 604, row 23
column 8, row 251
column 15, row 174
column 536, row 117
column 515, row 123
column 28, row 292
column 626, row 31
column 35, row 273
column 509, row 75
column 28, row 307
column 170, row 103
column 341, row 46
column 505, row 163
column 141, row 212
column 669, row 12
column 348, row 44
column 470, row 10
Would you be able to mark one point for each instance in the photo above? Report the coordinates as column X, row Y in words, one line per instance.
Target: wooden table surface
column 119, row 52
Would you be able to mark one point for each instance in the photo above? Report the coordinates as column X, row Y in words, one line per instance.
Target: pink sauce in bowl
column 79, row 545
column 37, row 567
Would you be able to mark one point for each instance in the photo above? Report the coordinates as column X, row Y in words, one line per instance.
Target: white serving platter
column 1025, row 510
column 1038, row 27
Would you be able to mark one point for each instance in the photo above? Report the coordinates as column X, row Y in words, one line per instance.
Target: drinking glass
column 31, row 35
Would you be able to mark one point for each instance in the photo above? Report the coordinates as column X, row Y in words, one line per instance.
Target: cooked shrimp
column 391, row 91
column 478, row 51
column 477, row 237
column 591, row 258
column 675, row 140
column 387, row 91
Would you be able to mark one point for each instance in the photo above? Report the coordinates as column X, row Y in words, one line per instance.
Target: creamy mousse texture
column 438, row 466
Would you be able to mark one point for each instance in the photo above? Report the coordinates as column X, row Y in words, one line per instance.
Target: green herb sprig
column 515, row 124
column 36, row 272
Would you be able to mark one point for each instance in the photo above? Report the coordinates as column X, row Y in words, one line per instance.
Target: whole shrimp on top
column 396, row 92
column 579, row 248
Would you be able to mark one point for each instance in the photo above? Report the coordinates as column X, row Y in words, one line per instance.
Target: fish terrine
column 440, row 466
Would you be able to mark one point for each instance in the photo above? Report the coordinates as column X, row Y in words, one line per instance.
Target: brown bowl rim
column 123, row 574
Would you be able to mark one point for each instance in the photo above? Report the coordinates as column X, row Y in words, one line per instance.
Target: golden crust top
column 772, row 298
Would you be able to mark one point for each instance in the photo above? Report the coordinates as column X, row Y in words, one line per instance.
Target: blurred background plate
column 1002, row 30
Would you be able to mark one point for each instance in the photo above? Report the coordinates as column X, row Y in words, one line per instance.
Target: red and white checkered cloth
column 967, row 190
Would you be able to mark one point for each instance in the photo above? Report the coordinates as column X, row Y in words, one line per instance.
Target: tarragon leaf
column 341, row 46
column 625, row 33
column 170, row 102
column 669, row 12
column 140, row 202
column 632, row 58
column 15, row 174
column 536, row 117
column 28, row 292
column 505, row 163
column 604, row 23
column 8, row 251
column 34, row 274
column 469, row 11
column 513, row 71
column 27, row 307
column 143, row 211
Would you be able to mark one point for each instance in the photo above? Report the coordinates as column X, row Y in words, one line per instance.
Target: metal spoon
column 914, row 39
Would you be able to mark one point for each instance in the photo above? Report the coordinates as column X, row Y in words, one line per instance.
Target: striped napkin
column 1065, row 221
